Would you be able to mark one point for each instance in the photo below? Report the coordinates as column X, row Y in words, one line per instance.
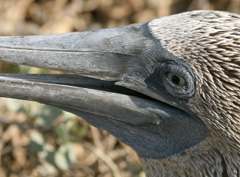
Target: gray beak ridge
column 103, row 54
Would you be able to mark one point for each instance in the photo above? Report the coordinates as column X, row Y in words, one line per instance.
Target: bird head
column 208, row 42
column 162, row 87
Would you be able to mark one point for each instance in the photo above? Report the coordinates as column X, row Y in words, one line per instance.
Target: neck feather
column 208, row 159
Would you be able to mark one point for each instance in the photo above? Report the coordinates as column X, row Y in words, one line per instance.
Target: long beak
column 106, row 56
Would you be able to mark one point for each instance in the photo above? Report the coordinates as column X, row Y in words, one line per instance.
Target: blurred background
column 43, row 141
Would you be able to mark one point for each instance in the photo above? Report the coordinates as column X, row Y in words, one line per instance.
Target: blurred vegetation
column 38, row 140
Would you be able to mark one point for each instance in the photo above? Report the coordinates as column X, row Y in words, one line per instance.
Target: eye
column 177, row 80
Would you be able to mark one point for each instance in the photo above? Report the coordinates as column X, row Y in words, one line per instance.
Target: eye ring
column 177, row 80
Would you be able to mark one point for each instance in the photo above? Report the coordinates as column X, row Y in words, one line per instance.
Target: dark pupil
column 176, row 80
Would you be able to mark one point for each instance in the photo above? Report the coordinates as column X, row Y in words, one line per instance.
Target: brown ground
column 37, row 140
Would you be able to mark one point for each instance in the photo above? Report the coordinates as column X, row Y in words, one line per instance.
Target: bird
column 169, row 87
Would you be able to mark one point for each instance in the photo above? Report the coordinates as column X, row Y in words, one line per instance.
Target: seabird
column 169, row 88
